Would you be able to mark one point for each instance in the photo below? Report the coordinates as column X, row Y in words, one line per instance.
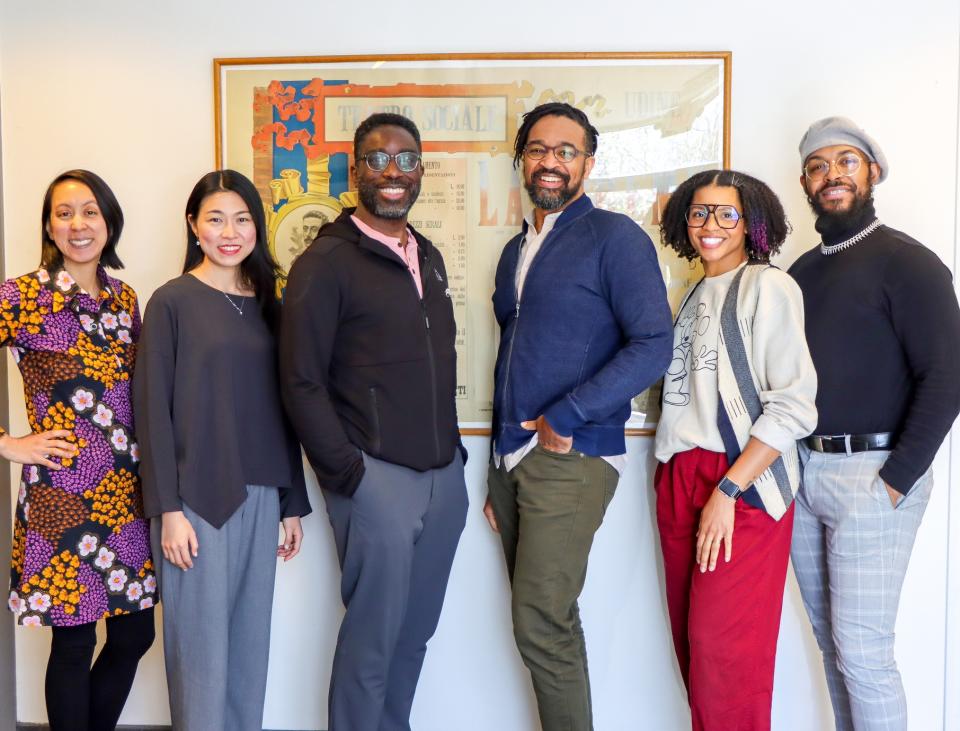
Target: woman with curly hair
column 738, row 394
column 81, row 545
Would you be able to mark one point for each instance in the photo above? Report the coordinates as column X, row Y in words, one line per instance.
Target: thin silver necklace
column 242, row 302
column 836, row 248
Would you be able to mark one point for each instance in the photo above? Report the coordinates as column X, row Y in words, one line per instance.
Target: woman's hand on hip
column 178, row 540
column 292, row 538
column 716, row 527
column 38, row 448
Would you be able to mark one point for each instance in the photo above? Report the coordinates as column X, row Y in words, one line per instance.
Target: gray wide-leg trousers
column 216, row 617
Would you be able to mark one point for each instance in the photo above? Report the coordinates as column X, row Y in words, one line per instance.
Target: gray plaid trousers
column 850, row 553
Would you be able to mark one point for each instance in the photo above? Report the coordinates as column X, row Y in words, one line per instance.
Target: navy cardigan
column 592, row 330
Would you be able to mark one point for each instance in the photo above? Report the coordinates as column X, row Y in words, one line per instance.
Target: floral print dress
column 81, row 546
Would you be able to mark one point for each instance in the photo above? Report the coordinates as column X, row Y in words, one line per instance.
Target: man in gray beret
column 883, row 327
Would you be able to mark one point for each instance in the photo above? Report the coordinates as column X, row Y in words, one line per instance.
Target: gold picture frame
column 288, row 122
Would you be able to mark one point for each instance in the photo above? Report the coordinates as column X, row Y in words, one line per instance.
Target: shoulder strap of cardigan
column 732, row 341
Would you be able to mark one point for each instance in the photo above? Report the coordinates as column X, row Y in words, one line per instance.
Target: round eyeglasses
column 377, row 160
column 563, row 153
column 726, row 216
column 847, row 164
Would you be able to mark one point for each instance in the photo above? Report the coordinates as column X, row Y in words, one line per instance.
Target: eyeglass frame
column 833, row 164
column 547, row 149
column 392, row 158
column 712, row 211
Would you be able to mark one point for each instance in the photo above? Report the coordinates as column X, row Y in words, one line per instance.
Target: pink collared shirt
column 408, row 253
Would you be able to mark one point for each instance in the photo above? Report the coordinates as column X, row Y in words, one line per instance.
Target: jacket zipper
column 376, row 422
column 425, row 280
column 433, row 378
column 516, row 319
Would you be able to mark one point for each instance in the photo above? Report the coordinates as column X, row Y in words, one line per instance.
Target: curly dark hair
column 766, row 223
column 554, row 109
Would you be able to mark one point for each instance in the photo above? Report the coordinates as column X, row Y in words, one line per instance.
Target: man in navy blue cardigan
column 584, row 327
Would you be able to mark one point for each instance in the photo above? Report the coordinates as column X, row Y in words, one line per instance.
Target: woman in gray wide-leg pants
column 221, row 468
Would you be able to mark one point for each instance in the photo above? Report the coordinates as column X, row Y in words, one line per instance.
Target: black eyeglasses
column 726, row 216
column 847, row 164
column 563, row 153
column 377, row 160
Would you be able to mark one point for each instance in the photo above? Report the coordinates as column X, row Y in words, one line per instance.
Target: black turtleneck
column 883, row 327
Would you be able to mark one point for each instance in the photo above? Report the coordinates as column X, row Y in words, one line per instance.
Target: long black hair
column 50, row 256
column 259, row 270
column 766, row 224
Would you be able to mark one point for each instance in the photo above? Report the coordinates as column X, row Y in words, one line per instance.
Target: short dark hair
column 766, row 223
column 50, row 256
column 383, row 119
column 259, row 270
column 554, row 109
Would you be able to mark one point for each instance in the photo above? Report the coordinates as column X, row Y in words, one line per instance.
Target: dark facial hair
column 838, row 225
column 393, row 210
column 550, row 200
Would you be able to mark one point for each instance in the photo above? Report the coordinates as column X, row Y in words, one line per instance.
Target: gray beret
column 842, row 131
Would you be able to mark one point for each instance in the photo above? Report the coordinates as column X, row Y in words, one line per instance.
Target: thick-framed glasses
column 378, row 160
column 726, row 216
column 847, row 164
column 563, row 153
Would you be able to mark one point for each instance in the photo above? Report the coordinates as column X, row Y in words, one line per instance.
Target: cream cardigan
column 766, row 378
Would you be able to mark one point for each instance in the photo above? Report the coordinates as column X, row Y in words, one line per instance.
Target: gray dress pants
column 396, row 538
column 216, row 617
column 851, row 548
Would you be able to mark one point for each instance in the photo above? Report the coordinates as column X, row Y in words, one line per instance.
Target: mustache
column 553, row 171
column 840, row 183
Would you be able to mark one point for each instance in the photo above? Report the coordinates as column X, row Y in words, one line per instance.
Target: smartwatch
column 729, row 488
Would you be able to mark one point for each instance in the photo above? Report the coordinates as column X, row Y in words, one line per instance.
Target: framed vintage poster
column 288, row 124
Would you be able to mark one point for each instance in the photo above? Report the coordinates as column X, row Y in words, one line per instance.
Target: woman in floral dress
column 81, row 547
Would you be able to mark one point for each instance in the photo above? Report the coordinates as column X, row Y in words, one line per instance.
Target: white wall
column 125, row 89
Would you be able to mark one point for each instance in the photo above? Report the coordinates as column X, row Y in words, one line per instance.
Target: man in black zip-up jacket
column 368, row 369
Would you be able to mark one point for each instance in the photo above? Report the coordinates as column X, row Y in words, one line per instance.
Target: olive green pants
column 548, row 508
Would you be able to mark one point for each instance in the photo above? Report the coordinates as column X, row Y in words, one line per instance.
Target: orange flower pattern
column 81, row 545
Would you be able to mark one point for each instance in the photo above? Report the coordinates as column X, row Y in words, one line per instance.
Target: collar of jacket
column 579, row 207
column 344, row 227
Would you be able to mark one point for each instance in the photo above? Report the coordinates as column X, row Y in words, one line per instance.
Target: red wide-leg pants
column 725, row 622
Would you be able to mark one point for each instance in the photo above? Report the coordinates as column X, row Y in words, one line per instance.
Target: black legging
column 81, row 698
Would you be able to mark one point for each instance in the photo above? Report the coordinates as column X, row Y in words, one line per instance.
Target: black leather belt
column 850, row 443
